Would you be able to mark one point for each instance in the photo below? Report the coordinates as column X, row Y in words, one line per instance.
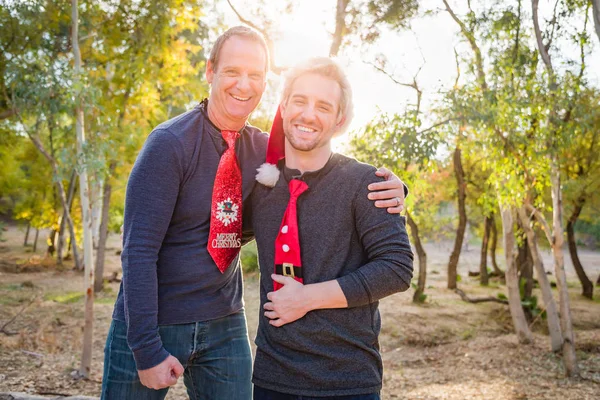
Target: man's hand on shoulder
column 389, row 193
column 288, row 303
column 163, row 375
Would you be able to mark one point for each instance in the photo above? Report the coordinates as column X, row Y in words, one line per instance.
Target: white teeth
column 305, row 129
column 241, row 98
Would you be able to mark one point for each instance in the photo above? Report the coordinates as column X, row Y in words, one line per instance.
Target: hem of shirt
column 189, row 319
column 315, row 393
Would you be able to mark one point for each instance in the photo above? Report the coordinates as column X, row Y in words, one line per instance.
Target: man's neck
column 224, row 124
column 306, row 161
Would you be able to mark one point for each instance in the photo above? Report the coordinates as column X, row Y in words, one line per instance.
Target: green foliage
column 422, row 297
column 65, row 298
column 249, row 257
column 368, row 18
column 143, row 63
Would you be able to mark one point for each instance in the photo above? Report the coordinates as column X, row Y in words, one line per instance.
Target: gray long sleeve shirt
column 168, row 275
column 332, row 352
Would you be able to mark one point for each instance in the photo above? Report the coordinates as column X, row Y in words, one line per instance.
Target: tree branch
column 471, row 38
column 538, row 36
column 270, row 44
column 340, row 27
column 6, row 114
column 542, row 221
column 596, row 15
column 3, row 328
column 479, row 299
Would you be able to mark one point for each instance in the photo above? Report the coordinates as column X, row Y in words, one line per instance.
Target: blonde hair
column 328, row 68
column 243, row 32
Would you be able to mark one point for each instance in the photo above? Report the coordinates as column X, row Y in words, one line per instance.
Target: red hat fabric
column 268, row 173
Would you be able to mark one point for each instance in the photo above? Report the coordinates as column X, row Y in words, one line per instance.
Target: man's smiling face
column 311, row 112
column 237, row 82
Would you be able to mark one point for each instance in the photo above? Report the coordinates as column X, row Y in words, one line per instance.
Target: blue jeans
column 215, row 354
column 266, row 394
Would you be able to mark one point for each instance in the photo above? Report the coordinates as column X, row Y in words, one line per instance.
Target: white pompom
column 267, row 174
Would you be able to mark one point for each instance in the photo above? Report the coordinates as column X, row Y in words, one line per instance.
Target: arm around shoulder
column 385, row 241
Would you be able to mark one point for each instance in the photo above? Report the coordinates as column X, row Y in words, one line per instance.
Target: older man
column 337, row 253
column 180, row 309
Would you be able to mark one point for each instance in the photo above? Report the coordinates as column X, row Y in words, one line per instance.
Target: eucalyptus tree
column 400, row 142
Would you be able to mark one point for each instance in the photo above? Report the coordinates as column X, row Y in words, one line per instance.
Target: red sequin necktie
column 225, row 237
column 287, row 243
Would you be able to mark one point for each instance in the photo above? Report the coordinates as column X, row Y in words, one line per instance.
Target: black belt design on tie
column 287, row 269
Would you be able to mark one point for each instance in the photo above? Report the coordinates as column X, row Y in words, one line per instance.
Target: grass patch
column 105, row 300
column 64, row 298
column 467, row 334
column 12, row 287
column 9, row 301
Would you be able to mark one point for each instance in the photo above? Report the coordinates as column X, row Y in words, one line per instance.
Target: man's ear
column 210, row 72
column 341, row 121
column 282, row 107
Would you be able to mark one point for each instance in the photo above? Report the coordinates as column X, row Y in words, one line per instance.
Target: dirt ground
column 444, row 349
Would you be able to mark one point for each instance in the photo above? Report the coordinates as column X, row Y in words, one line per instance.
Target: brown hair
column 244, row 32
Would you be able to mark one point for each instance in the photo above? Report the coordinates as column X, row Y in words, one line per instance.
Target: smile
column 240, row 98
column 302, row 128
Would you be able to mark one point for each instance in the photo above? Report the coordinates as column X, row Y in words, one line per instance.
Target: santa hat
column 268, row 173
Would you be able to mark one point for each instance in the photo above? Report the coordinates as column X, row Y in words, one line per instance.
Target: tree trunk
column 86, row 357
column 462, row 221
column 103, row 233
column 512, row 279
column 51, row 240
column 61, row 231
column 569, row 356
column 35, row 239
column 493, row 246
column 525, row 267
column 586, row 283
column 27, row 234
column 596, row 13
column 96, row 202
column 556, row 338
column 340, row 27
column 483, row 274
column 422, row 255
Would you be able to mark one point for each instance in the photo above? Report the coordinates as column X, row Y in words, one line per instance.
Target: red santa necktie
column 225, row 237
column 287, row 244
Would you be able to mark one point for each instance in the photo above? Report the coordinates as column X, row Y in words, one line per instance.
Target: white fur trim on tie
column 267, row 174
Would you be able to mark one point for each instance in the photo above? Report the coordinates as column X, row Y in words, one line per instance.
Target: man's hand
column 389, row 193
column 163, row 375
column 288, row 303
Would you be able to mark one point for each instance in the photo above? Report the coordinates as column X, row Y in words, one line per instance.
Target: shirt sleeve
column 385, row 242
column 152, row 192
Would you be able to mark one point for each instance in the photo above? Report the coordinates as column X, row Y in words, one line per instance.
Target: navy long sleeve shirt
column 168, row 275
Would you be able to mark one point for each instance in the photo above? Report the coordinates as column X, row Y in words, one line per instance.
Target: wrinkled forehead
column 244, row 51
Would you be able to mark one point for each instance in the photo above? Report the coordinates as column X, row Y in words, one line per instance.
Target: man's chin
column 241, row 111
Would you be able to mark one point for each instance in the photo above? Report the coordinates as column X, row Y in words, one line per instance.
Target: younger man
column 339, row 255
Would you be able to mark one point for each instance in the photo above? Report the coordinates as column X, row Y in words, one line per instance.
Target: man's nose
column 308, row 113
column 243, row 82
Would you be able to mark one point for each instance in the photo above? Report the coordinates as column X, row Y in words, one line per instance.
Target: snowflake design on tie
column 227, row 212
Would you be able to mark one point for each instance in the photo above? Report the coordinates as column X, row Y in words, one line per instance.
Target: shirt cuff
column 150, row 356
column 354, row 290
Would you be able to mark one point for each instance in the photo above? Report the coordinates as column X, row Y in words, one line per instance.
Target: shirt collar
column 309, row 176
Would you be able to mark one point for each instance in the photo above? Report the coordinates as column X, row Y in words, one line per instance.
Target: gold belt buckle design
column 288, row 270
